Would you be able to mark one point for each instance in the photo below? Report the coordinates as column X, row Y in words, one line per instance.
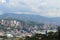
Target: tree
column 20, row 39
column 27, row 38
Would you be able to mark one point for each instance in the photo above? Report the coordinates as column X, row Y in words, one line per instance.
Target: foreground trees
column 49, row 36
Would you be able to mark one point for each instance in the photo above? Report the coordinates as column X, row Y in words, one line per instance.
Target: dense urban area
column 28, row 30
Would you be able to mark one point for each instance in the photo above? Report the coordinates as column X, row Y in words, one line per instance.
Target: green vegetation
column 49, row 36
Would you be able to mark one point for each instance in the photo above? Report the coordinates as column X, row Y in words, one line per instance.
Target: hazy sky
column 49, row 8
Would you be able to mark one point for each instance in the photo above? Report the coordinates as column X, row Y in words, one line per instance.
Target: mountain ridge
column 30, row 17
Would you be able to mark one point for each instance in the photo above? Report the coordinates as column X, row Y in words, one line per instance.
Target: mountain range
column 30, row 17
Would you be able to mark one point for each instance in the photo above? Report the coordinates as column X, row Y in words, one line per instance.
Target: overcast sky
column 49, row 8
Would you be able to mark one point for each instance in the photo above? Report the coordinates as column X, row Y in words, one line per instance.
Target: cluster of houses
column 22, row 30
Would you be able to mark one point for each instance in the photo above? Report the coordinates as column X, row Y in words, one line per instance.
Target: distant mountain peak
column 30, row 17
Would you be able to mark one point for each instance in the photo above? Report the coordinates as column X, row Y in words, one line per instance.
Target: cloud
column 52, row 13
column 49, row 8
column 2, row 1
